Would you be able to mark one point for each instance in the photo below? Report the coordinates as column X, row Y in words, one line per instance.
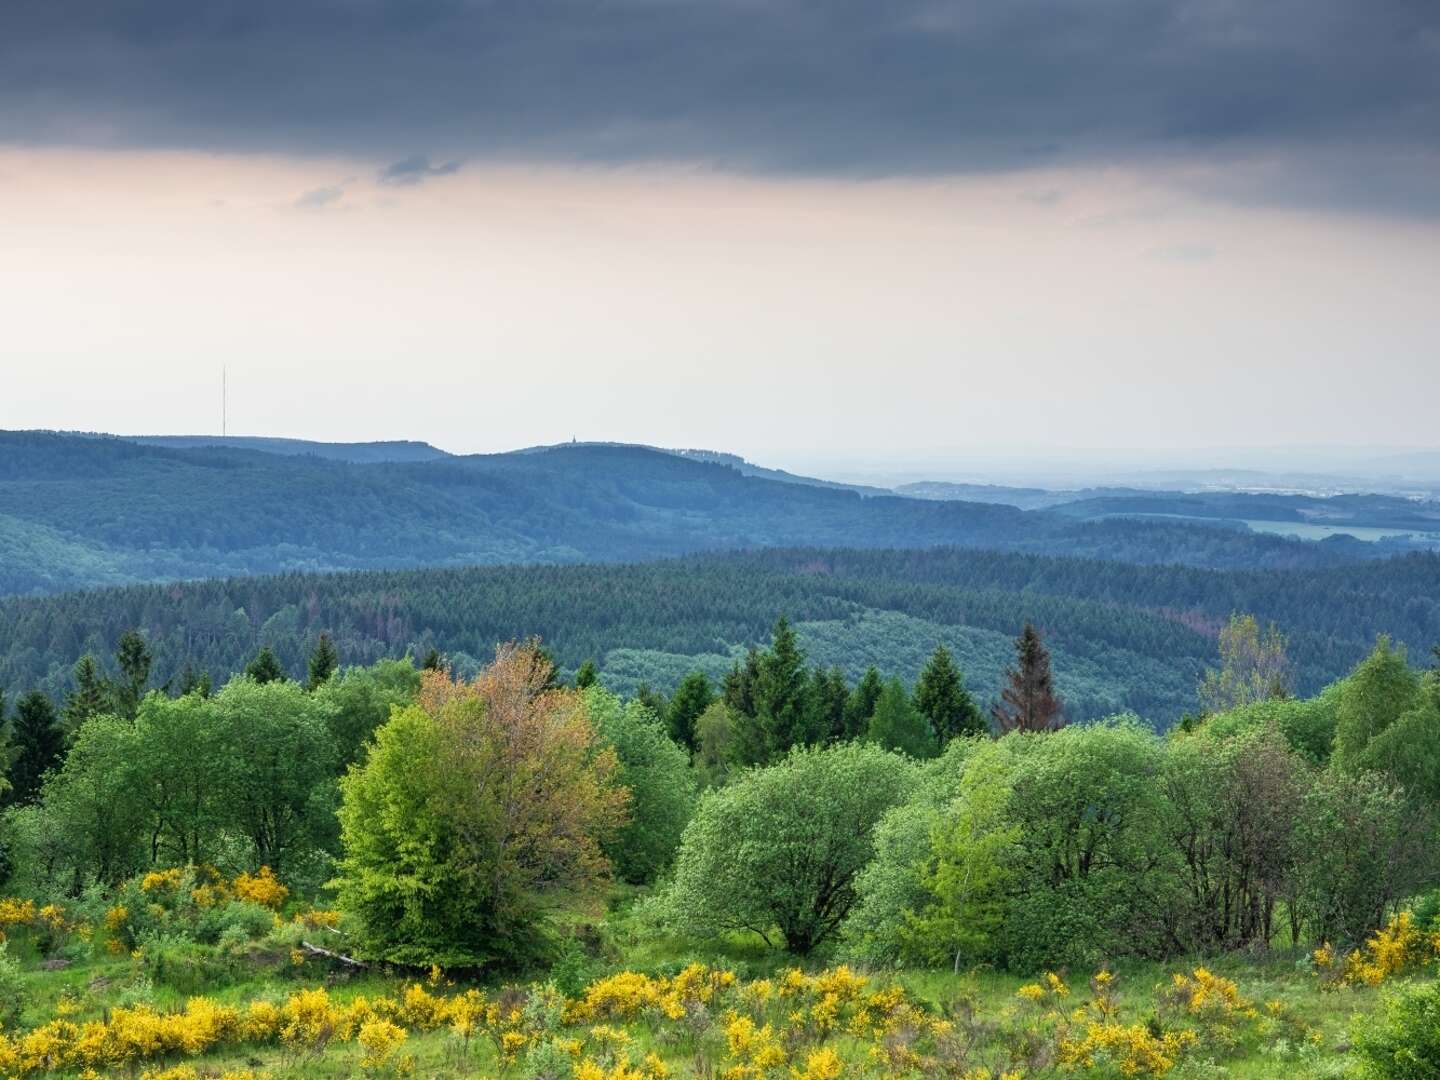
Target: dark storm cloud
column 415, row 170
column 844, row 87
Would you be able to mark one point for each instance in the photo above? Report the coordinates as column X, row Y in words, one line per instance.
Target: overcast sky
column 907, row 229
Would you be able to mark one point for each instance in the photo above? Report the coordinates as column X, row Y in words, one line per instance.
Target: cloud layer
column 1340, row 99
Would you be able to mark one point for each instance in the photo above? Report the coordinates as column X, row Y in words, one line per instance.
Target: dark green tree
column 741, row 683
column 92, row 696
column 861, row 705
column 132, row 656
column 265, row 667
column 650, row 698
column 38, row 742
column 433, row 660
column 1028, row 702
column 691, row 698
column 785, row 715
column 828, row 696
column 898, row 725
column 587, row 676
column 322, row 663
column 193, row 681
column 941, row 697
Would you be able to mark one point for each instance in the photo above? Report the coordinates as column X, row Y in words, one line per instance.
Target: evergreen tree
column 265, row 667
column 38, row 742
column 942, row 699
column 692, row 697
column 828, row 696
column 132, row 656
column 433, row 660
column 194, row 682
column 1029, row 703
column 861, row 705
column 651, row 698
column 898, row 725
column 322, row 663
column 740, row 685
column 92, row 696
column 784, row 693
column 587, row 676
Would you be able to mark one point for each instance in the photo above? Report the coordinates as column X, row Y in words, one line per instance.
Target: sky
column 919, row 230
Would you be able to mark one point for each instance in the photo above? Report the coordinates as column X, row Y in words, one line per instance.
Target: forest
column 1125, row 637
column 78, row 511
column 397, row 868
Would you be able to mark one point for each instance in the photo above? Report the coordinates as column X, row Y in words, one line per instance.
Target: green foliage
column 714, row 733
column 941, row 697
column 92, row 695
column 1308, row 724
column 657, row 774
column 322, row 662
column 1371, row 699
column 587, row 675
column 357, row 700
column 779, row 849
column 897, row 725
column 37, row 742
column 1406, row 1045
column 265, row 667
column 691, row 698
column 860, row 706
column 12, row 989
column 134, row 659
column 1253, row 666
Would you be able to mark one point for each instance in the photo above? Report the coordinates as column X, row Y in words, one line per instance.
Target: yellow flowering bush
column 1394, row 949
column 261, row 887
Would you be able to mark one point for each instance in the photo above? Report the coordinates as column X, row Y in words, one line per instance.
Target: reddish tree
column 1029, row 703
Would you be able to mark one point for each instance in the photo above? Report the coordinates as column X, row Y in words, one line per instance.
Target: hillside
column 82, row 511
column 1124, row 636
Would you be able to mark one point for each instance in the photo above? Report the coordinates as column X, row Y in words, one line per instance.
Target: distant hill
column 1123, row 636
column 78, row 511
column 363, row 453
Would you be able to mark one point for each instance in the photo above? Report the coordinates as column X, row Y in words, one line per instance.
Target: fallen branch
column 350, row 961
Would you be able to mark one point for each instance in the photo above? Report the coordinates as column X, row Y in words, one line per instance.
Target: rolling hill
column 80, row 511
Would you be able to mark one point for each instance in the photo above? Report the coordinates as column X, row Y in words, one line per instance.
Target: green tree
column 778, row 850
column 357, row 700
column 828, row 695
column 861, row 705
column 942, row 699
column 714, row 733
column 265, row 668
column 37, row 741
column 970, row 864
column 1374, row 696
column 1254, row 666
column 691, row 698
column 898, row 725
column 587, row 676
column 92, row 696
column 433, row 660
column 657, row 773
column 473, row 811
column 133, row 658
column 782, row 715
column 1028, row 702
column 742, row 685
column 322, row 663
column 193, row 681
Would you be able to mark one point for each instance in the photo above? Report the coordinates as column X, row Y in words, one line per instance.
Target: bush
column 1406, row 1044
column 12, row 989
column 781, row 847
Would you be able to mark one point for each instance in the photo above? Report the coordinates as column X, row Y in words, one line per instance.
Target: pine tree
column 92, row 696
column 827, row 698
column 1029, row 703
column 650, row 698
column 265, row 667
column 322, row 663
column 942, row 699
column 132, row 656
column 897, row 725
column 38, row 742
column 861, row 705
column 692, row 697
column 194, row 682
column 433, row 661
column 740, row 685
column 587, row 676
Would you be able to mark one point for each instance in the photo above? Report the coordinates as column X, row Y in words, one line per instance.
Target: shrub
column 1405, row 1045
column 12, row 988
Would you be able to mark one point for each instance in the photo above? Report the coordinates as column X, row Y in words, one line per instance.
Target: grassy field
column 745, row 1018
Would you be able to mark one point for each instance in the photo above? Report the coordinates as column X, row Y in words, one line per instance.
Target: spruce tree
column 897, row 725
column 265, row 667
column 740, row 685
column 827, row 698
column 193, row 681
column 861, row 705
column 587, row 676
column 433, row 660
column 92, row 696
column 1028, row 702
column 942, row 699
column 132, row 656
column 692, row 697
column 322, row 663
column 38, row 741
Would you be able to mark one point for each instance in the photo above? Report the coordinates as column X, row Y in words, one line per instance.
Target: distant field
column 1307, row 531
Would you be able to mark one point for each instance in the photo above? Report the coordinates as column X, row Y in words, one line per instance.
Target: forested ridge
column 1126, row 636
column 81, row 511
